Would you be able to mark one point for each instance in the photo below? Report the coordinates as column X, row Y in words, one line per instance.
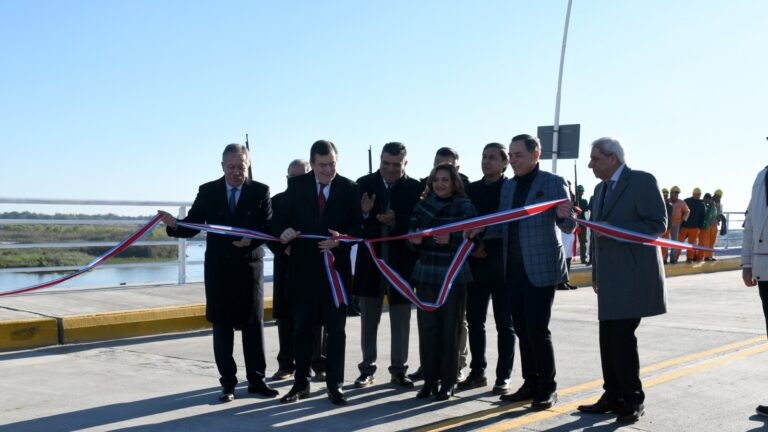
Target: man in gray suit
column 627, row 277
column 534, row 264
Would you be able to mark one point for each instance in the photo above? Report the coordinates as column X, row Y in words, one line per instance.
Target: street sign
column 567, row 143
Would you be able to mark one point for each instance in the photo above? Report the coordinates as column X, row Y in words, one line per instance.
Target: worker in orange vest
column 691, row 227
column 710, row 221
column 680, row 213
column 712, row 230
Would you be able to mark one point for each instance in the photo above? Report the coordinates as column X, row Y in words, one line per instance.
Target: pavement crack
column 28, row 311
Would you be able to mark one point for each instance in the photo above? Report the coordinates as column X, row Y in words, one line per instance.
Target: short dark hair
column 447, row 152
column 394, row 148
column 532, row 143
column 500, row 147
column 456, row 182
column 322, row 148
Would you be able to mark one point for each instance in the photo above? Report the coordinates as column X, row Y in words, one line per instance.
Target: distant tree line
column 40, row 257
column 68, row 216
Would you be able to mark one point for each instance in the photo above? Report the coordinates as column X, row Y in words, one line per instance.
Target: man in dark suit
column 319, row 203
column 627, row 277
column 234, row 286
column 282, row 310
column 387, row 201
column 534, row 263
column 488, row 280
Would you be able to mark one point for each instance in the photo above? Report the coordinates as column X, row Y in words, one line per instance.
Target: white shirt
column 237, row 194
column 615, row 177
column 326, row 191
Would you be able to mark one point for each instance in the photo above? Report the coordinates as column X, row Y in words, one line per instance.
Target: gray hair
column 236, row 149
column 609, row 146
column 298, row 162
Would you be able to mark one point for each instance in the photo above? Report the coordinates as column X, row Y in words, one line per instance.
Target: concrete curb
column 125, row 324
column 28, row 333
column 46, row 331
column 583, row 277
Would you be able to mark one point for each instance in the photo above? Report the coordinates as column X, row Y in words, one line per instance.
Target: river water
column 117, row 276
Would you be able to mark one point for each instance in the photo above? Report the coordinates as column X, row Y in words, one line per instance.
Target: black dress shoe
column 260, row 387
column 418, row 375
column 227, row 395
column 501, row 387
column 428, row 390
column 401, row 380
column 762, row 410
column 602, row 406
column 295, row 394
column 523, row 393
column 473, row 381
column 544, row 400
column 630, row 414
column 364, row 380
column 319, row 377
column 337, row 397
column 282, row 374
column 445, row 393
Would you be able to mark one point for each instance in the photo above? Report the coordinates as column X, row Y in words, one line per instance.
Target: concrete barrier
column 583, row 277
column 28, row 333
column 125, row 324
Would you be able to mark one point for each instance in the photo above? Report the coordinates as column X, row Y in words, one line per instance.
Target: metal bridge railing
column 181, row 262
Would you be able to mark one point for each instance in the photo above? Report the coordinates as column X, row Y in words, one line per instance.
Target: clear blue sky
column 136, row 99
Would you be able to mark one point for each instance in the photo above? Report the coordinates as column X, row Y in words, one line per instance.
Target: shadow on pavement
column 85, row 346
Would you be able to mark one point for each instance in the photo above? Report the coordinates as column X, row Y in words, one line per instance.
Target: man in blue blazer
column 627, row 277
column 534, row 263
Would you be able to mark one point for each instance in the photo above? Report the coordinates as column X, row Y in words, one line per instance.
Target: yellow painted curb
column 583, row 277
column 123, row 324
column 28, row 333
column 134, row 323
column 682, row 268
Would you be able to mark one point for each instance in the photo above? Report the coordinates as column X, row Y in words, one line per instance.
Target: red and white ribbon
column 626, row 235
column 403, row 287
column 338, row 292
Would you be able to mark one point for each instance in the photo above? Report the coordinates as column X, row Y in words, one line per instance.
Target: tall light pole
column 556, row 132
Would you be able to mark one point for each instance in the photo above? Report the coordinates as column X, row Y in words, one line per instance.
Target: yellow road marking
column 570, row 407
column 590, row 385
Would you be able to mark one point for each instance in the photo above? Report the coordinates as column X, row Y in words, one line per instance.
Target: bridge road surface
column 705, row 369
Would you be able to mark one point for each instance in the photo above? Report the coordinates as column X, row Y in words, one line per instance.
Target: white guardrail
column 729, row 241
column 182, row 244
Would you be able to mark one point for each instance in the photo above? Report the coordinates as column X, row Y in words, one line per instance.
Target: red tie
column 321, row 199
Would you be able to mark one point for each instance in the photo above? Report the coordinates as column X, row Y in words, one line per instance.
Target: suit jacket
column 299, row 210
column 234, row 286
column 629, row 277
column 280, row 272
column 756, row 230
column 540, row 242
column 403, row 196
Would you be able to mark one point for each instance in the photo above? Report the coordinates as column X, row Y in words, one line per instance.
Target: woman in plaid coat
column 443, row 202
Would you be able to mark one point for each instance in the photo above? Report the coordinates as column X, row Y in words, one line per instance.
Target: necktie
column 387, row 195
column 232, row 199
column 604, row 195
column 321, row 199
